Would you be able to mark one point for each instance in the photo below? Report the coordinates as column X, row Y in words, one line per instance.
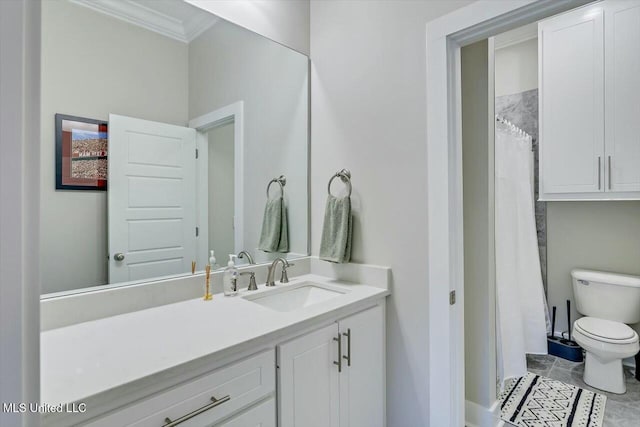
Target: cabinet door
column 261, row 415
column 622, row 104
column 362, row 381
column 308, row 388
column 571, row 79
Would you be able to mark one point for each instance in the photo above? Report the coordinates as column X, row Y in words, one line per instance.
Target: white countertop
column 87, row 359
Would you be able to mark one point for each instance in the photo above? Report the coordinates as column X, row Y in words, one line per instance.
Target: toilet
column 609, row 302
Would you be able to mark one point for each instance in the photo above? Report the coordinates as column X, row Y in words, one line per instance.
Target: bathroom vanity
column 310, row 352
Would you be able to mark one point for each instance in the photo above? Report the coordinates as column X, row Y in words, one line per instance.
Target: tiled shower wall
column 521, row 109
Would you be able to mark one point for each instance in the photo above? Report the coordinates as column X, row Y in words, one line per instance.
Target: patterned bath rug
column 536, row 401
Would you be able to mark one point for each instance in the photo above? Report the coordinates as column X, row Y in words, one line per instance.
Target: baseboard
column 479, row 416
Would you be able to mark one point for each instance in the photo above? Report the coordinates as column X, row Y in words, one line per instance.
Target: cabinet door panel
column 571, row 102
column 308, row 389
column 622, row 88
column 362, row 385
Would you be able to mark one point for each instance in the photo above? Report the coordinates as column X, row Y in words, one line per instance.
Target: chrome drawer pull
column 214, row 402
column 599, row 172
column 348, row 356
column 339, row 362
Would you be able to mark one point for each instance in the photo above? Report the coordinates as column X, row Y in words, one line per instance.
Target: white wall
column 478, row 208
column 601, row 236
column 93, row 65
column 368, row 110
column 284, row 21
column 272, row 80
column 19, row 207
column 517, row 67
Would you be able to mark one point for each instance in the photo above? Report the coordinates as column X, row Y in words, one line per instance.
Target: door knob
column 119, row 256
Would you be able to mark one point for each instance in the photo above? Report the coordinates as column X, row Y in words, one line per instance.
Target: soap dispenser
column 230, row 278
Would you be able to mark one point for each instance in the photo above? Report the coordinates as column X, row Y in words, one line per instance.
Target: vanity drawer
column 244, row 382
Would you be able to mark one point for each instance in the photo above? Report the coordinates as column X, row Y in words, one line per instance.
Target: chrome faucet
column 242, row 254
column 252, row 280
column 284, row 278
column 272, row 270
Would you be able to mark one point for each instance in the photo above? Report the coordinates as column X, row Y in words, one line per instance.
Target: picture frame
column 81, row 153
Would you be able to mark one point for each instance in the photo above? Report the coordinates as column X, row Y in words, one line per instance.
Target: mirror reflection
column 192, row 117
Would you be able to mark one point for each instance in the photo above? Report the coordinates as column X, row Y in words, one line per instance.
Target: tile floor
column 622, row 410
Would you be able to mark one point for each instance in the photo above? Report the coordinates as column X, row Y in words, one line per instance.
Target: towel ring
column 281, row 180
column 345, row 176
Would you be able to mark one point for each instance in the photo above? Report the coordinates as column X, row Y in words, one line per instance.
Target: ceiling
column 171, row 18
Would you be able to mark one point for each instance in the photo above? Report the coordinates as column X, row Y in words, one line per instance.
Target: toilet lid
column 606, row 329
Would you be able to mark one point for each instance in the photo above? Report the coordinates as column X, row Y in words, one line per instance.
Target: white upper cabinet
column 622, row 95
column 589, row 79
column 571, row 49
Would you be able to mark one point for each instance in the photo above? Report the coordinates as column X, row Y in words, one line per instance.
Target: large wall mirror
column 162, row 128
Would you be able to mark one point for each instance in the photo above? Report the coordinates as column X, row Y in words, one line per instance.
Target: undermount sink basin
column 296, row 296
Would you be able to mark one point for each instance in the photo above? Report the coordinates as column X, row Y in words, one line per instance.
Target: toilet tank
column 608, row 296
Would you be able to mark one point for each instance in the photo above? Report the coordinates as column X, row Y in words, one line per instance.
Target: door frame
column 232, row 113
column 20, row 207
column 444, row 38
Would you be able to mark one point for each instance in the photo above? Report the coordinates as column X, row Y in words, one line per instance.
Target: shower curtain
column 521, row 305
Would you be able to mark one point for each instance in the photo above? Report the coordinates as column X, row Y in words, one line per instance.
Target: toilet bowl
column 611, row 302
column 606, row 343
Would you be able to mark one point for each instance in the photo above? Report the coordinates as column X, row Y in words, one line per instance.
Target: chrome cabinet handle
column 214, row 402
column 339, row 362
column 599, row 172
column 119, row 256
column 609, row 170
column 348, row 356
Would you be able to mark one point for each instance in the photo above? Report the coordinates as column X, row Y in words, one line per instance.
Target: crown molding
column 198, row 25
column 151, row 19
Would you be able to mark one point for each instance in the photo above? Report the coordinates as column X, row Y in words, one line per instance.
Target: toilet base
column 607, row 376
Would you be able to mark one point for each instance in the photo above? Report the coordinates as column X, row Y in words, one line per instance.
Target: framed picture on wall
column 81, row 153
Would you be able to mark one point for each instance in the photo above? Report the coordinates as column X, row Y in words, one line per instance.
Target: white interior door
column 152, row 199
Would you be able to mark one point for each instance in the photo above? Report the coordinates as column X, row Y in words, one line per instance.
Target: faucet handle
column 252, row 280
column 284, row 278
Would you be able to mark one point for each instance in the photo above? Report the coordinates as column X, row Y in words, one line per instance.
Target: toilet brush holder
column 564, row 348
column 560, row 347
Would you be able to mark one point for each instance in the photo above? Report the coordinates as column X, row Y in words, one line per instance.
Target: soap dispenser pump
column 230, row 278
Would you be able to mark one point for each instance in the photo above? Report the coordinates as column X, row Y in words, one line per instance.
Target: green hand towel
column 335, row 245
column 275, row 234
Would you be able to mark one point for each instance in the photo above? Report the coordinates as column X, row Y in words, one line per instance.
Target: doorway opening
column 445, row 38
column 220, row 132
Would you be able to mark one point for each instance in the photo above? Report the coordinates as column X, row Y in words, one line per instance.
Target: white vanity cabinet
column 234, row 387
column 589, row 81
column 334, row 376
